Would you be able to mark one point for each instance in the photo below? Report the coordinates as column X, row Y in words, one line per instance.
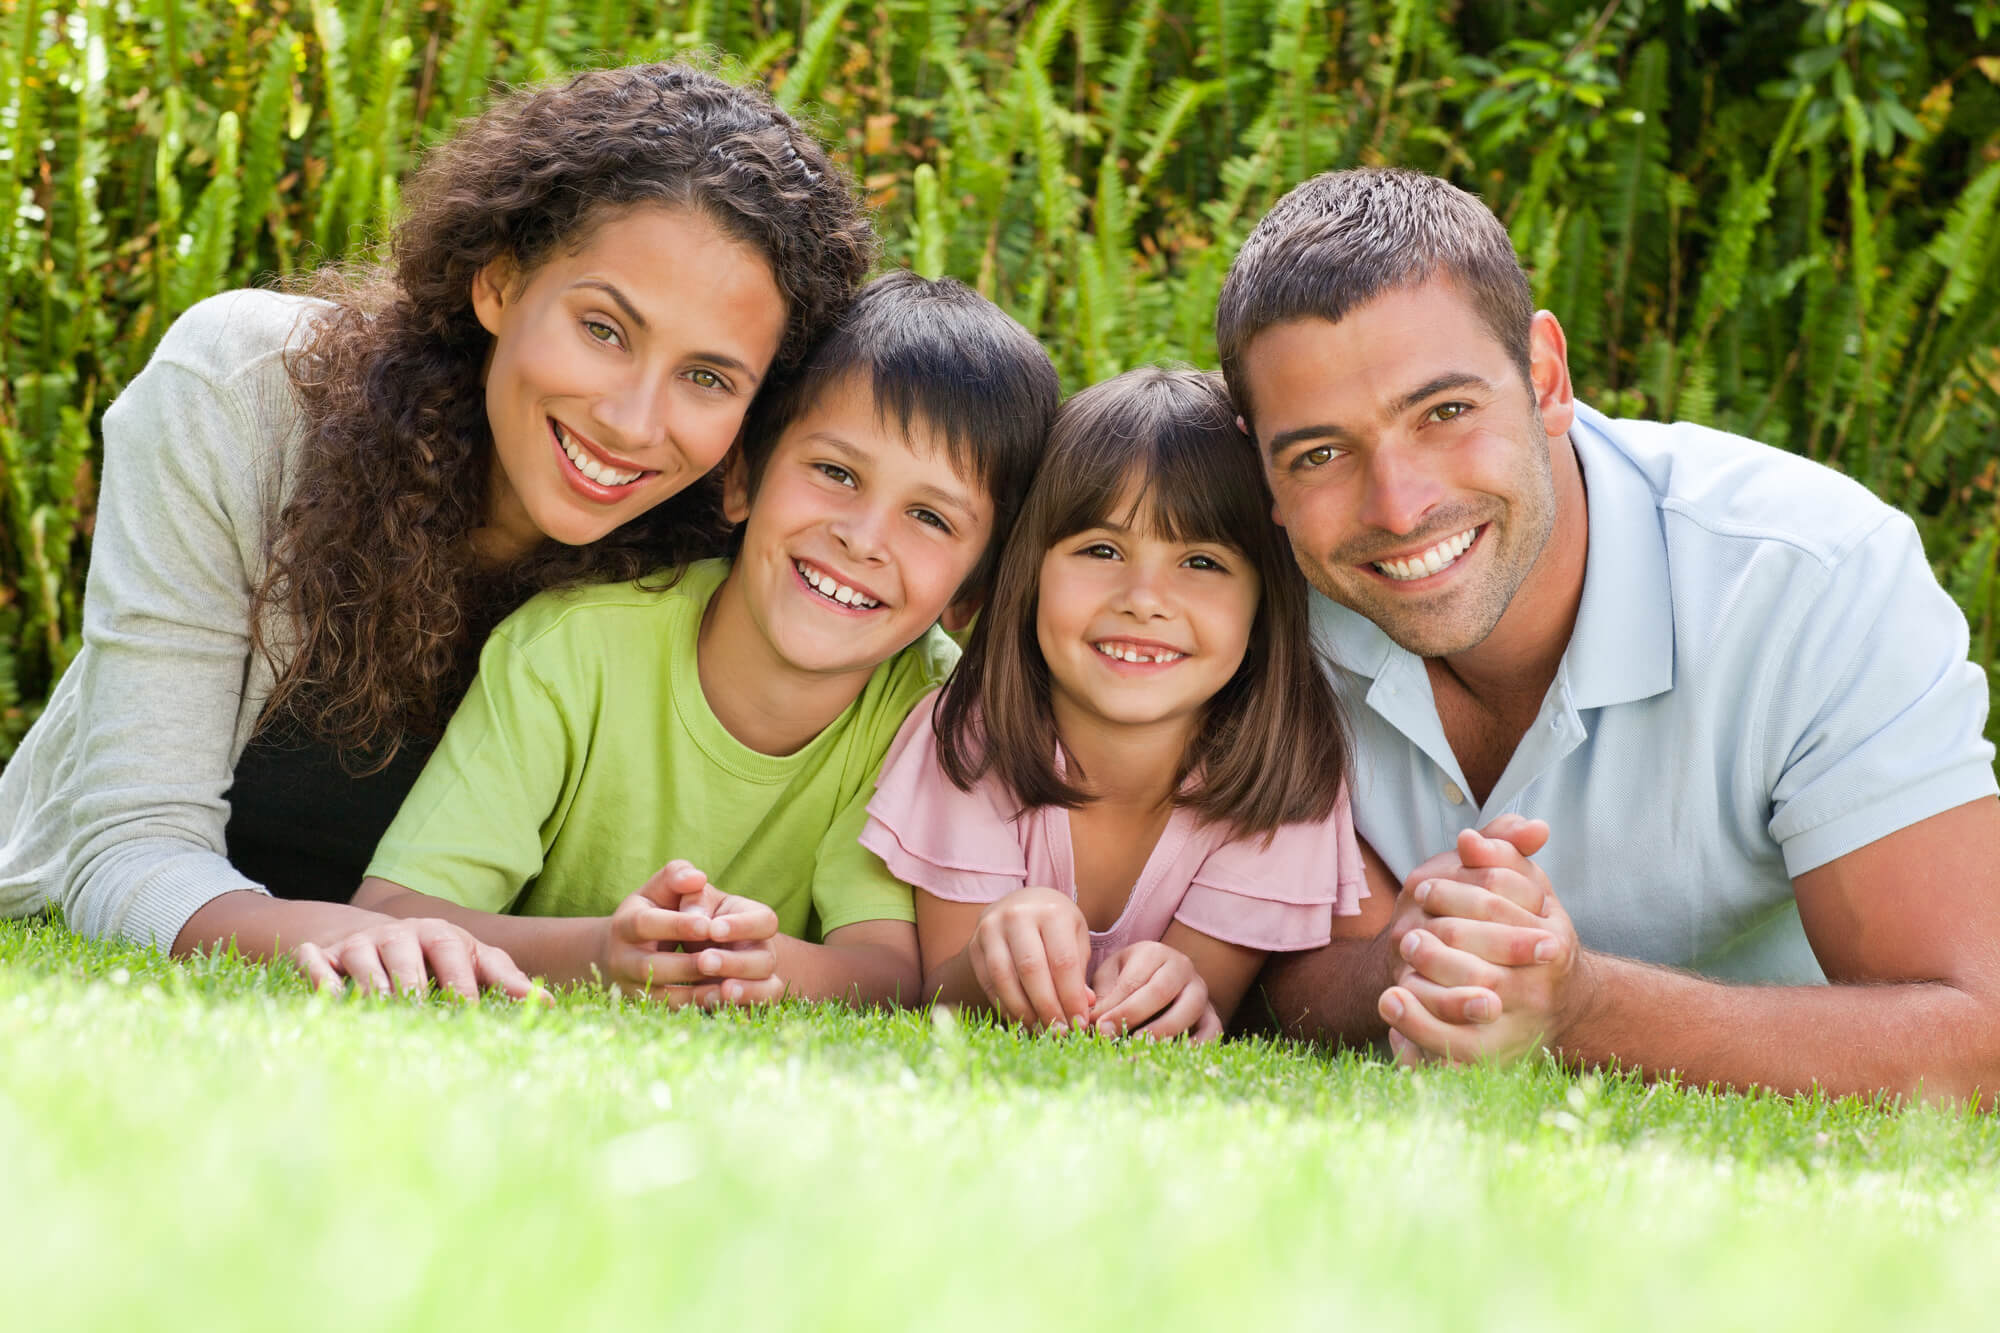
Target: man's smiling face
column 1409, row 462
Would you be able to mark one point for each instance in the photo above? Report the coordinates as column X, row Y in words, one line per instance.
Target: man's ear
column 959, row 616
column 1548, row 370
column 736, row 486
column 492, row 288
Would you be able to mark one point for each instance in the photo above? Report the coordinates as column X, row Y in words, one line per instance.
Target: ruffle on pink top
column 967, row 847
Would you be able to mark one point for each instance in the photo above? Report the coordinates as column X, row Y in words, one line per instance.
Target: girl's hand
column 731, row 961
column 1028, row 952
column 405, row 955
column 1153, row 990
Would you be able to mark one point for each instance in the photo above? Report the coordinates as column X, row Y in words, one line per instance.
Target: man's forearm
column 560, row 950
column 1328, row 994
column 1911, row 1038
column 859, row 974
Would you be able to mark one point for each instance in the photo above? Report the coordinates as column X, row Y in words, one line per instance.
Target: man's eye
column 1449, row 411
column 1318, row 457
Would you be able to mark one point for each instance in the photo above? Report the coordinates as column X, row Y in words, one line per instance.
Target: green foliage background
column 1776, row 217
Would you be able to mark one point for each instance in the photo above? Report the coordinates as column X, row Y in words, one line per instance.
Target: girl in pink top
column 1132, row 789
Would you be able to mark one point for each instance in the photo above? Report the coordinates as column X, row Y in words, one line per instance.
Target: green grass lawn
column 209, row 1146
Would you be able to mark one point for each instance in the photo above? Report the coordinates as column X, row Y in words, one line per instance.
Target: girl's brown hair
column 372, row 576
column 1271, row 748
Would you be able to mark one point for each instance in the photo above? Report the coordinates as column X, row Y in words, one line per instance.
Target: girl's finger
column 994, row 968
column 1208, row 1027
column 1068, row 956
column 1032, row 969
column 1448, row 966
column 1424, row 1030
column 1178, row 1017
column 1149, row 986
column 1490, row 941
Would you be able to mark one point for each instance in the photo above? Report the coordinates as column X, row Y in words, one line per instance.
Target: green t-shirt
column 585, row 757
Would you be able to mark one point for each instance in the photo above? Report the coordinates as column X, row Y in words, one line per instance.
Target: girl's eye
column 836, row 473
column 1099, row 551
column 933, row 518
column 1449, row 411
column 708, row 379
column 1204, row 562
column 601, row 332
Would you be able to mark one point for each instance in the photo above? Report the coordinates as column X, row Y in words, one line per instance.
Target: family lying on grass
column 574, row 596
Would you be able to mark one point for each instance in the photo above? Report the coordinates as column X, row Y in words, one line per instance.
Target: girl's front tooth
column 843, row 594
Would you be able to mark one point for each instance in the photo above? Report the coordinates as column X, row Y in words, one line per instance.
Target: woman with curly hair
column 315, row 507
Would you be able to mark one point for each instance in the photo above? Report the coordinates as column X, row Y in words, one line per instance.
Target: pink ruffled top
column 968, row 847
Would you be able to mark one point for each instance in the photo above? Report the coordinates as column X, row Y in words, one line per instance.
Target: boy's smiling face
column 857, row 538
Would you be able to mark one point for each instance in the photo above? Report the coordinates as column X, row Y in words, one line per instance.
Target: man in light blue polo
column 1725, row 677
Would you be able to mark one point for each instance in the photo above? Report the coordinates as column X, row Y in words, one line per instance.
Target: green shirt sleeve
column 475, row 827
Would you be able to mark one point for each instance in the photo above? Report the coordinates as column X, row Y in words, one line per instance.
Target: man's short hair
column 1343, row 238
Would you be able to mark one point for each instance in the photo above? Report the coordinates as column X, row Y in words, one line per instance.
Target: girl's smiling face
column 620, row 372
column 1139, row 629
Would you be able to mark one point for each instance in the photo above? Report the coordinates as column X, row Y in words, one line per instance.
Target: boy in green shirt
column 735, row 719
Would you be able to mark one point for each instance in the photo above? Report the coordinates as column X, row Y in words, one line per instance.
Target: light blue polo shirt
column 1764, row 676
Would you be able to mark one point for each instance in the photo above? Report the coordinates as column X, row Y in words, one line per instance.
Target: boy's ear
column 735, row 487
column 959, row 615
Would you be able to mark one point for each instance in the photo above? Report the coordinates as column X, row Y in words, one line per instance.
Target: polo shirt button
column 1452, row 793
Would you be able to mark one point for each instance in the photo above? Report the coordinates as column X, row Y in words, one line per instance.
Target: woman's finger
column 448, row 955
column 319, row 970
column 495, row 969
column 356, row 957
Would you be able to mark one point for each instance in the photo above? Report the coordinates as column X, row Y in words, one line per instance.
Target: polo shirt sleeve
column 472, row 830
column 1879, row 720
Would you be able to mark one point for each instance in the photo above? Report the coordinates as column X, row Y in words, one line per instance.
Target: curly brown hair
column 372, row 569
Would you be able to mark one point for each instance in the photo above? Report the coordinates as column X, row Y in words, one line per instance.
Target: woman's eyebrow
column 722, row 360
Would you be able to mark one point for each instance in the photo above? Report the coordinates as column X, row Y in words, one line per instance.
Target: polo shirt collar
column 1622, row 648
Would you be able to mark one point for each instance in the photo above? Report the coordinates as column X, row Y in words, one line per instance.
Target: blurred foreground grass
column 209, row 1146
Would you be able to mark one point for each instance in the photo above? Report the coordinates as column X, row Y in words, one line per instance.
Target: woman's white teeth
column 1426, row 563
column 1124, row 653
column 828, row 586
column 590, row 467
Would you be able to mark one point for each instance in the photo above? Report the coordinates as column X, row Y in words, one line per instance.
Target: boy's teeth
column 590, row 467
column 832, row 588
column 1425, row 563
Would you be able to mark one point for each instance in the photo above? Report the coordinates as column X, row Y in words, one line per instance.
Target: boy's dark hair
column 1271, row 748
column 938, row 353
column 1343, row 238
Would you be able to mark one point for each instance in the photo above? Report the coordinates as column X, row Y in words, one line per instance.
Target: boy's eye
column 836, row 473
column 601, row 332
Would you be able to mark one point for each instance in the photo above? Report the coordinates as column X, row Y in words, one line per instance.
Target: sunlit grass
column 210, row 1146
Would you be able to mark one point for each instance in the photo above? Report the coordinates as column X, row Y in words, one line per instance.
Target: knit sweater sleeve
column 166, row 658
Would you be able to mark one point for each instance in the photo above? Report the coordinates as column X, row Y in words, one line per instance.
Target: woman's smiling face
column 620, row 372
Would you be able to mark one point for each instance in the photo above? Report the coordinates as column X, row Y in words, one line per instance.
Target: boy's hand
column 683, row 941
column 1152, row 990
column 1028, row 953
